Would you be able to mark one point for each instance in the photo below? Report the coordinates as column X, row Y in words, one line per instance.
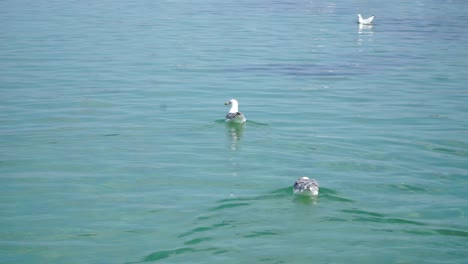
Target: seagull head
column 234, row 105
column 231, row 102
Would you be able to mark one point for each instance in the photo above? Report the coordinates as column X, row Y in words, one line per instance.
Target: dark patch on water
column 163, row 254
column 226, row 206
column 386, row 220
column 167, row 253
column 220, row 251
column 110, row 135
column 206, row 228
column 451, row 151
column 87, row 234
column 204, row 217
column 451, row 232
column 361, row 212
column 403, row 221
column 261, row 234
column 436, row 232
column 197, row 240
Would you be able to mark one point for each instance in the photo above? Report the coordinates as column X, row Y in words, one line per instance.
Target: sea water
column 114, row 149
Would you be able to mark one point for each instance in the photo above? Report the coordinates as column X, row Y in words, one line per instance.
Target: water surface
column 114, row 149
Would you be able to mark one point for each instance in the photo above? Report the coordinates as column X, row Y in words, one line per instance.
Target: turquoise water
column 114, row 147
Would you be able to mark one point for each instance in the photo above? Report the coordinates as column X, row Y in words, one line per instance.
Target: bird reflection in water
column 365, row 29
column 365, row 34
column 234, row 132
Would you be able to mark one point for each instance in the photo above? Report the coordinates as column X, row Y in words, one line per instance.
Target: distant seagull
column 234, row 116
column 306, row 186
column 366, row 21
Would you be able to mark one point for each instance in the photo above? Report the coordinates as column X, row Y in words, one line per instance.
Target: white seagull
column 234, row 115
column 306, row 186
column 366, row 21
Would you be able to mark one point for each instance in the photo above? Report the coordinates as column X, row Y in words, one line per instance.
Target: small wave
column 197, row 240
column 451, row 232
column 225, row 206
column 262, row 234
column 206, row 228
column 163, row 254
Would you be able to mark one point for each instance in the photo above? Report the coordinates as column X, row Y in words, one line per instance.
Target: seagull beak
column 227, row 103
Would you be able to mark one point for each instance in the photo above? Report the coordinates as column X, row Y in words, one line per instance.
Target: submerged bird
column 306, row 186
column 366, row 21
column 234, row 115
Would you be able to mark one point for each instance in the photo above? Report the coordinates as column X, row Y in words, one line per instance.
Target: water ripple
column 163, row 254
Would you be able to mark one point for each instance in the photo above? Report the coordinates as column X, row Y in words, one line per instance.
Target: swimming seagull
column 306, row 186
column 234, row 115
column 366, row 21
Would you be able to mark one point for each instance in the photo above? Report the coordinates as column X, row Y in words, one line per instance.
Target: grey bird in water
column 234, row 115
column 306, row 186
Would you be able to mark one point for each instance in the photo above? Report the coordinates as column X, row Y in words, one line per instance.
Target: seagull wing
column 360, row 19
column 233, row 115
column 303, row 185
column 365, row 21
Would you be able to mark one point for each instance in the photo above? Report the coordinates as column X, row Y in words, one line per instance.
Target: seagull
column 306, row 186
column 366, row 21
column 234, row 116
